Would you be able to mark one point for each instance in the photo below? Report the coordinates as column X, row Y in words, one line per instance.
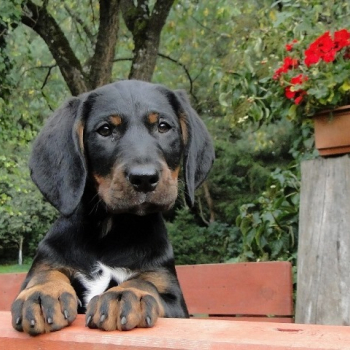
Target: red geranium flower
column 289, row 47
column 298, row 99
column 288, row 63
column 290, row 91
column 311, row 57
column 321, row 48
column 299, row 79
column 341, row 39
column 297, row 95
column 310, row 78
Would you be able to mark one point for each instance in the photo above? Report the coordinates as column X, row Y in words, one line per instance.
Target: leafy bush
column 269, row 225
column 23, row 212
column 199, row 245
column 244, row 161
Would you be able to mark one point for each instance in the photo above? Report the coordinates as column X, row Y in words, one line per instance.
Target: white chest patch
column 100, row 278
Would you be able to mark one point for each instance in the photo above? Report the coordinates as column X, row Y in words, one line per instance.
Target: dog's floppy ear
column 199, row 151
column 57, row 162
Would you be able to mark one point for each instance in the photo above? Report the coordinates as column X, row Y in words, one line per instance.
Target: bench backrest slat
column 10, row 284
column 246, row 289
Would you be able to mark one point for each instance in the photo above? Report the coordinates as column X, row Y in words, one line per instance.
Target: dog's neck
column 97, row 214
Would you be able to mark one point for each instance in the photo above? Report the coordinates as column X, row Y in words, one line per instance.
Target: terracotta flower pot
column 332, row 131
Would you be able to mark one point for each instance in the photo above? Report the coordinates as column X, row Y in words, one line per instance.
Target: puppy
column 109, row 161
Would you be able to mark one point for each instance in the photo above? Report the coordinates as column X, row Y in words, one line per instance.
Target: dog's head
column 127, row 139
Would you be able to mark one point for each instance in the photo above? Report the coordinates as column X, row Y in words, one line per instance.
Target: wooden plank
column 324, row 242
column 263, row 288
column 329, row 132
column 251, row 319
column 10, row 284
column 182, row 334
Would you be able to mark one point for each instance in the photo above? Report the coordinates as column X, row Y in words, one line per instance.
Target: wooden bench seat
column 184, row 334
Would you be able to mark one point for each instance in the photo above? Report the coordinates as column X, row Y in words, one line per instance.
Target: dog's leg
column 48, row 303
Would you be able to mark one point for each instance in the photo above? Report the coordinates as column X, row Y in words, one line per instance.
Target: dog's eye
column 105, row 130
column 163, row 127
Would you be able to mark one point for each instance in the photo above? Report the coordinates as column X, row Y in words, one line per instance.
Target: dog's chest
column 101, row 278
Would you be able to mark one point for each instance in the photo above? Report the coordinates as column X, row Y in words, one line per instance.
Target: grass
column 14, row 268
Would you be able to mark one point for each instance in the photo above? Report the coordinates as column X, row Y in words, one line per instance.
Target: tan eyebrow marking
column 153, row 118
column 184, row 128
column 80, row 131
column 115, row 120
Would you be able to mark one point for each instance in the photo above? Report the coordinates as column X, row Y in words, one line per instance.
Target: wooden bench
column 251, row 291
column 243, row 291
column 185, row 334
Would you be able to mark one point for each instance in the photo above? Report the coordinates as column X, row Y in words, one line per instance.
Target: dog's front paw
column 123, row 309
column 44, row 308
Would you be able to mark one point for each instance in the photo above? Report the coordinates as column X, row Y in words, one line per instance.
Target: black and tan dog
column 109, row 161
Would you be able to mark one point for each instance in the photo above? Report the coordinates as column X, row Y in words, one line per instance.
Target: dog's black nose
column 143, row 178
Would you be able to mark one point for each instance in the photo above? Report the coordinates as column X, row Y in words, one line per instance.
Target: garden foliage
column 224, row 54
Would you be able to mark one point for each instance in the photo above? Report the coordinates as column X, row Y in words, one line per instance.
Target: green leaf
column 345, row 86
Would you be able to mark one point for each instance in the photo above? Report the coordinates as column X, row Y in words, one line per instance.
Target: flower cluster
column 325, row 47
column 318, row 75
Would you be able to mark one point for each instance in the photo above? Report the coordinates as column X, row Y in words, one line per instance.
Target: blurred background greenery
column 223, row 53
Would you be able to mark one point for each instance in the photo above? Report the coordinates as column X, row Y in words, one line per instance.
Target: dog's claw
column 80, row 304
column 32, row 323
column 66, row 314
column 148, row 321
column 88, row 321
column 18, row 321
column 123, row 320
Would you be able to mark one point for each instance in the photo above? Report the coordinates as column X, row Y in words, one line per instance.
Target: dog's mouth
column 148, row 208
column 142, row 207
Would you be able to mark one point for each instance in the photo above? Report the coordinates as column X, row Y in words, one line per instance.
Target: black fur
column 109, row 213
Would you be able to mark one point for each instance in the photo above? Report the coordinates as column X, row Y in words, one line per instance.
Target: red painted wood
column 263, row 288
column 183, row 334
column 10, row 284
column 250, row 319
column 224, row 290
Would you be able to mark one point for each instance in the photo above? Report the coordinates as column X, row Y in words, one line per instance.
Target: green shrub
column 194, row 244
column 24, row 214
column 269, row 225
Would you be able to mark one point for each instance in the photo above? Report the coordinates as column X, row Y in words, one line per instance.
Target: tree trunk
column 146, row 27
column 324, row 242
column 144, row 57
column 38, row 18
column 209, row 201
column 20, row 251
column 6, row 66
column 102, row 61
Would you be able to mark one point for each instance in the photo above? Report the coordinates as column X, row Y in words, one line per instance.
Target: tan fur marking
column 153, row 118
column 80, row 131
column 44, row 277
column 184, row 129
column 175, row 173
column 158, row 279
column 115, row 120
